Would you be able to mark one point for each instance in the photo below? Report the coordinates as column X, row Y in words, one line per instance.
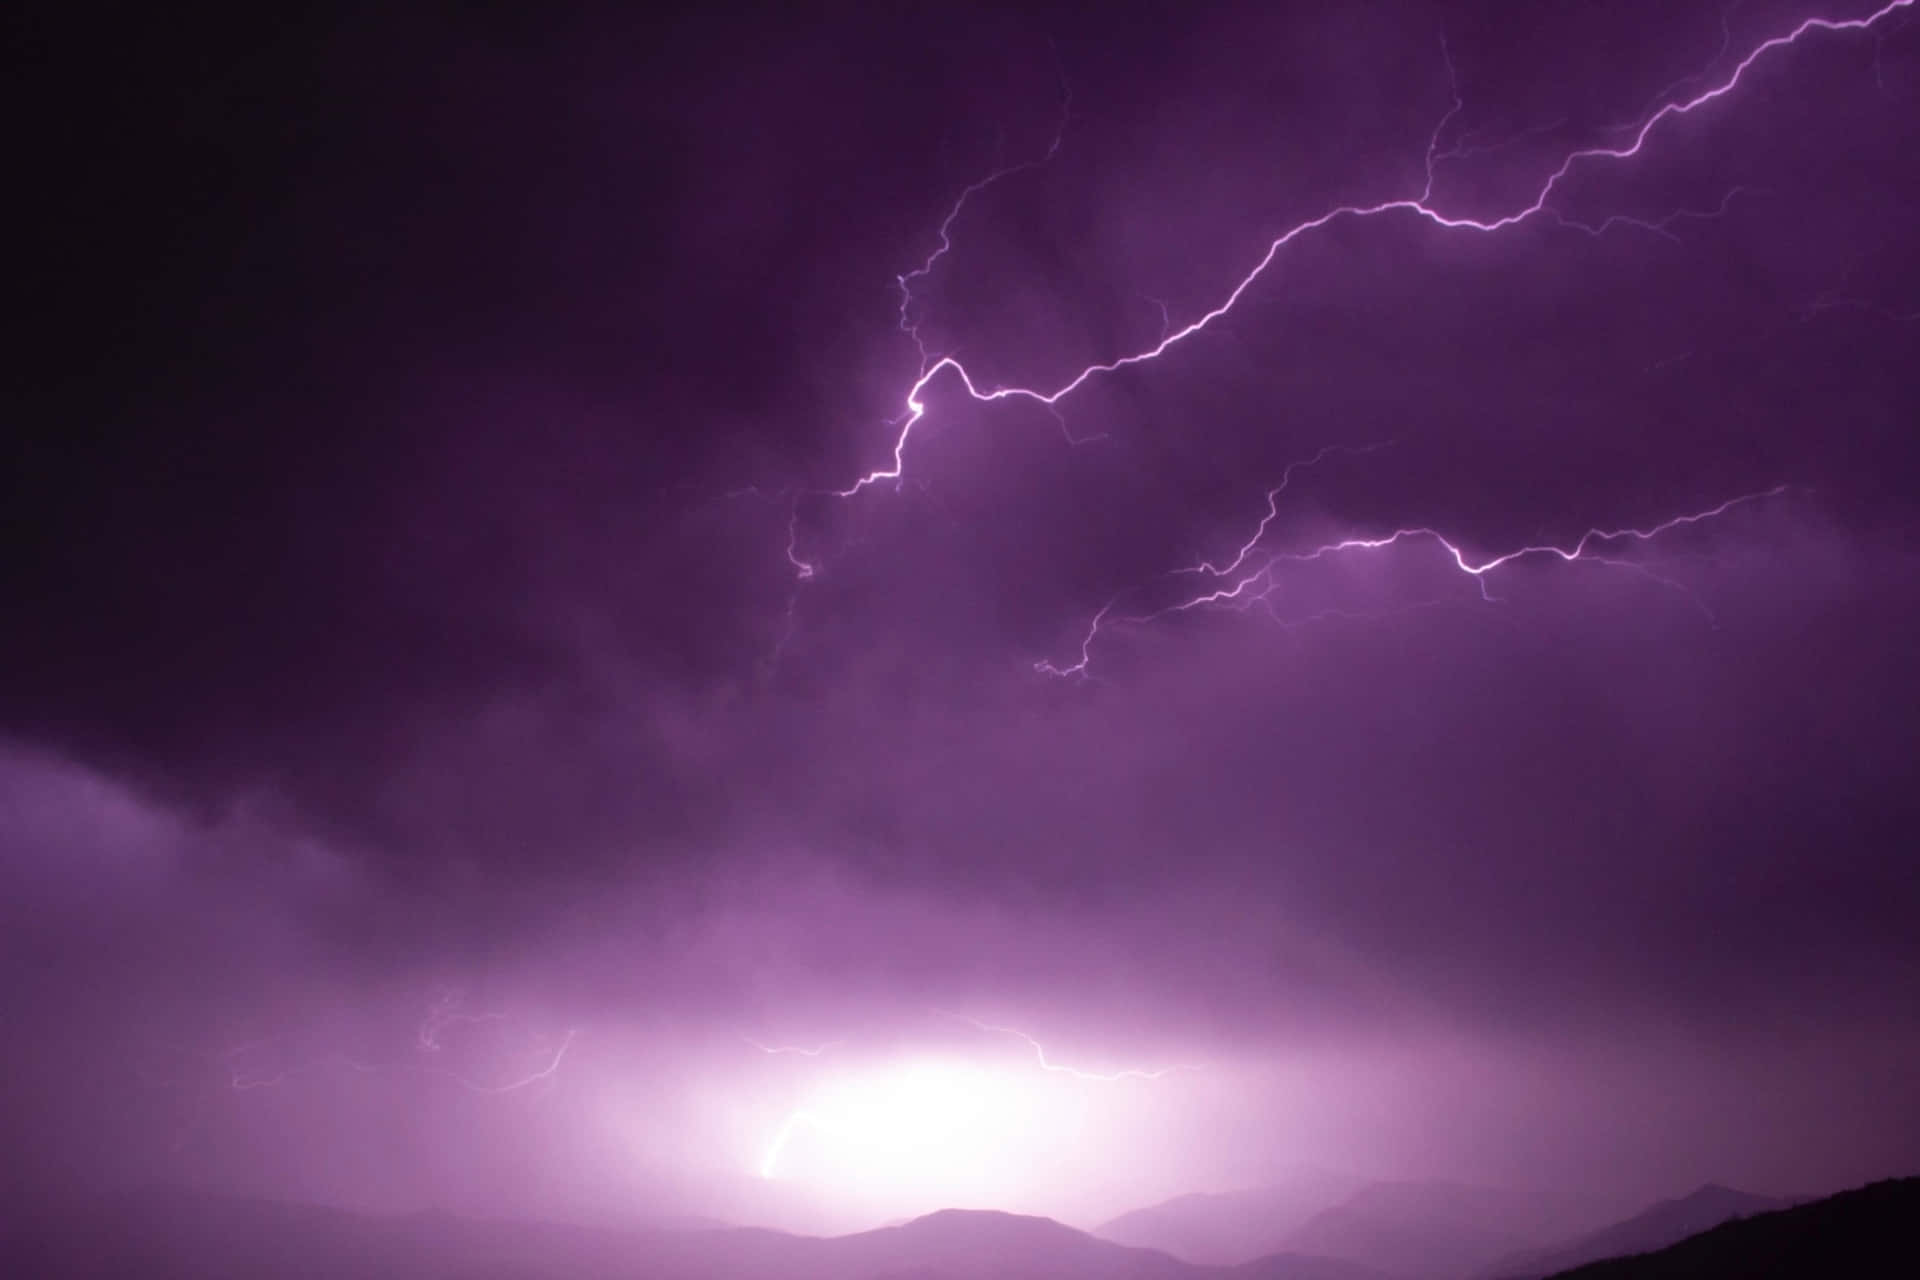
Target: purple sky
column 462, row 707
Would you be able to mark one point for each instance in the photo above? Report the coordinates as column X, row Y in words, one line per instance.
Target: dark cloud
column 419, row 409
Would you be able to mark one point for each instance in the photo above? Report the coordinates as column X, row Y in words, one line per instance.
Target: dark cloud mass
column 430, row 779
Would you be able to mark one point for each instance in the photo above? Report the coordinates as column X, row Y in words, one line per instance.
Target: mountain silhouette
column 1665, row 1223
column 161, row 1234
column 1431, row 1230
column 1230, row 1227
column 1867, row 1232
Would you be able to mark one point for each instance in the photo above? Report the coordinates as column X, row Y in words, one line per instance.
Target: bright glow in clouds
column 903, row 1119
column 898, row 1135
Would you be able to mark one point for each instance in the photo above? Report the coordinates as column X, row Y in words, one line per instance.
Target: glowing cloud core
column 904, row 1133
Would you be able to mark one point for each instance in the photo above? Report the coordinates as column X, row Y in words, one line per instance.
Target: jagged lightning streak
column 803, row 1051
column 802, row 567
column 1257, row 585
column 1260, row 584
column 944, row 236
column 1273, row 507
column 1459, row 558
column 1655, row 226
column 1421, row 206
column 770, row 1161
column 444, row 1011
column 1466, row 146
column 1204, row 567
column 241, row 1074
column 1061, row 1068
column 269, row 1063
column 241, row 1080
column 1666, row 92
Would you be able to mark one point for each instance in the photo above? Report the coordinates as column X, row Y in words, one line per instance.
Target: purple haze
column 804, row 621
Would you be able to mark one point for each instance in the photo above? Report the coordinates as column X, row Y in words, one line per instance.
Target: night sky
column 480, row 692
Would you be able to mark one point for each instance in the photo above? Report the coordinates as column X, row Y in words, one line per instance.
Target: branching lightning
column 1257, row 586
column 906, row 281
column 1273, row 510
column 1232, row 585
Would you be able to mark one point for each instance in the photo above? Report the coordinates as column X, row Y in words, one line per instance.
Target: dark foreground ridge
column 1654, row 1228
column 174, row 1233
column 1867, row 1232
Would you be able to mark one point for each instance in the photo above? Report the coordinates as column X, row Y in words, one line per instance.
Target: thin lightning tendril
column 803, row 1051
column 240, row 1080
column 241, row 1070
column 1060, row 1068
column 945, row 234
column 1273, row 509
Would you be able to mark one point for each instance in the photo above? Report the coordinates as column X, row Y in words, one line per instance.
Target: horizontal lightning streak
column 799, row 1050
column 1059, row 1068
column 1481, row 568
column 240, row 1081
column 1257, row 585
column 443, row 1011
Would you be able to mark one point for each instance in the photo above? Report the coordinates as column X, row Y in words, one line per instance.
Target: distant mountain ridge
column 1422, row 1230
column 169, row 1233
column 1418, row 1230
column 1231, row 1227
column 1660, row 1225
column 1437, row 1230
column 1865, row 1232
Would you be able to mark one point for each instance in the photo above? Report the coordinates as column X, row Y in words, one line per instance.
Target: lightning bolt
column 944, row 236
column 1060, row 1068
column 1656, row 226
column 802, row 567
column 1480, row 569
column 269, row 1062
column 241, row 1078
column 798, row 1050
column 770, row 1162
column 444, row 1011
column 1259, row 585
column 1273, row 508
